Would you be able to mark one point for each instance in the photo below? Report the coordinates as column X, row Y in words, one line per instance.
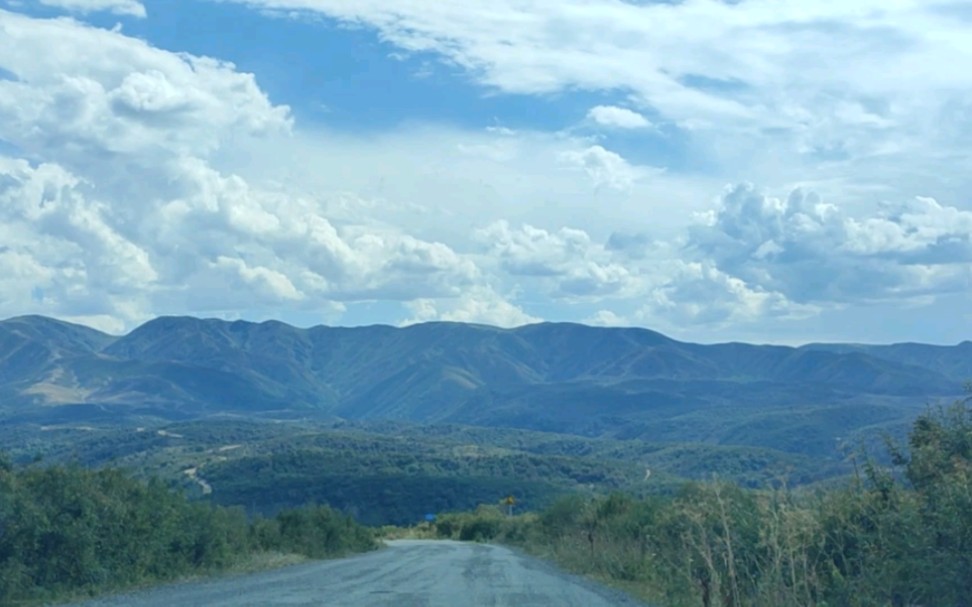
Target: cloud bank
column 137, row 181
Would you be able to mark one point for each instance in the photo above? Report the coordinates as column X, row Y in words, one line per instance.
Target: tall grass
column 896, row 537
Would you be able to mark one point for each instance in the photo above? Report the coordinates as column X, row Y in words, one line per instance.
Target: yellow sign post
column 509, row 501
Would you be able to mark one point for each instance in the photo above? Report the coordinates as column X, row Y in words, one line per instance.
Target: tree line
column 66, row 531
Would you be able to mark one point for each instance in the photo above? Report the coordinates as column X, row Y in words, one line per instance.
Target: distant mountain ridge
column 550, row 376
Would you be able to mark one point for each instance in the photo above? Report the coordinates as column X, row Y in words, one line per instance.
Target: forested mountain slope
column 627, row 383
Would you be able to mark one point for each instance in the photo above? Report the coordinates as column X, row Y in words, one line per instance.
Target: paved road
column 405, row 574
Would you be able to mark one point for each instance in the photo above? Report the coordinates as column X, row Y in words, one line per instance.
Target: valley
column 391, row 423
column 631, row 457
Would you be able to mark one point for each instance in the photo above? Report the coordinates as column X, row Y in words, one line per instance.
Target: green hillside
column 564, row 378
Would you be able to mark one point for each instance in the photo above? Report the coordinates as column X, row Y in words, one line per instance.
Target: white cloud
column 698, row 293
column 478, row 305
column 604, row 167
column 617, row 117
column 921, row 229
column 125, row 215
column 131, row 8
column 752, row 259
column 290, row 237
column 48, row 217
column 61, row 246
column 861, row 94
column 412, row 177
column 213, row 243
column 271, row 283
column 566, row 262
column 144, row 181
column 99, row 93
column 533, row 251
column 607, row 318
column 812, row 251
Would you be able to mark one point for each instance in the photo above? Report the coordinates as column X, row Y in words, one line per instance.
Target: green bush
column 69, row 531
column 895, row 537
column 480, row 530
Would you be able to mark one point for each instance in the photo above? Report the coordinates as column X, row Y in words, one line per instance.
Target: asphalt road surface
column 405, row 574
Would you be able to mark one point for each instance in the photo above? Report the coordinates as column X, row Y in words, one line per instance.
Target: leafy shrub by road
column 68, row 531
column 891, row 536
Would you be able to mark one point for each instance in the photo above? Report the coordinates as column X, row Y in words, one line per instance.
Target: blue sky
column 768, row 171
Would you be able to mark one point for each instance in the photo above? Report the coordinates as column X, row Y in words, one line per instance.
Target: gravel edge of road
column 228, row 574
column 611, row 593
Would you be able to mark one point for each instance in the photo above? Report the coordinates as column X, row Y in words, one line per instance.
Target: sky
column 770, row 171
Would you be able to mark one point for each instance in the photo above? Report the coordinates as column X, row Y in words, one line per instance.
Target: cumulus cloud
column 123, row 215
column 530, row 251
column 214, row 243
column 481, row 305
column 277, row 236
column 812, row 251
column 98, row 94
column 130, row 8
column 617, row 117
column 566, row 261
column 607, row 318
column 271, row 283
column 753, row 258
column 698, row 293
column 60, row 246
column 140, row 181
column 123, row 211
column 604, row 167
column 917, row 231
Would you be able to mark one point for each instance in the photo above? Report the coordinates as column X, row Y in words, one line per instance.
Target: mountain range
column 623, row 383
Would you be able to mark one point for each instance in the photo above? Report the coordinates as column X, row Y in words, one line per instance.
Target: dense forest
column 895, row 536
column 68, row 531
column 395, row 473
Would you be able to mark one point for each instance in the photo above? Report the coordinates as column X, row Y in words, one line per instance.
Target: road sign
column 509, row 501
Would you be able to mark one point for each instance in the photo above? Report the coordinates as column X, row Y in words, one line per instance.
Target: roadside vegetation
column 898, row 535
column 68, row 532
